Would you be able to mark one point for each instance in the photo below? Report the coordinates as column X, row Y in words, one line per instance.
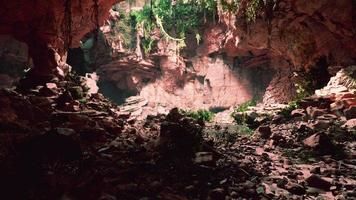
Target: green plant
column 147, row 44
column 239, row 113
column 244, row 130
column 232, row 6
column 201, row 114
column 252, row 10
column 244, row 106
column 229, row 133
column 173, row 21
column 289, row 108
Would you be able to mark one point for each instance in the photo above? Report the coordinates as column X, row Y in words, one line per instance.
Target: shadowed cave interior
column 177, row 100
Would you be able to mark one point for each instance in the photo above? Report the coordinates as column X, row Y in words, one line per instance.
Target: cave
column 177, row 100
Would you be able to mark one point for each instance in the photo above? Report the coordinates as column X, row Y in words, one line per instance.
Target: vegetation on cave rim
column 177, row 20
column 200, row 114
column 242, row 108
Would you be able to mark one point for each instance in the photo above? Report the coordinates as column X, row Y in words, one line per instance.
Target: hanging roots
column 80, row 5
column 95, row 18
column 67, row 25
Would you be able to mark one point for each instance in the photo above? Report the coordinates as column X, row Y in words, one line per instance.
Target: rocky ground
column 60, row 142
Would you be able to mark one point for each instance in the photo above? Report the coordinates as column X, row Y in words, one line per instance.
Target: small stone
column 155, row 185
column 203, row 157
column 298, row 113
column 315, row 112
column 51, row 85
column 350, row 124
column 320, row 142
column 321, row 124
column 295, row 188
column 217, row 194
column 248, row 185
column 265, row 131
column 189, row 188
column 350, row 113
column 76, row 92
column 107, row 197
column 318, row 182
column 65, row 131
column 315, row 170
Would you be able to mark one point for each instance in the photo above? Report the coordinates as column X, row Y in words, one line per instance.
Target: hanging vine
column 269, row 7
column 80, row 5
column 96, row 21
column 67, row 24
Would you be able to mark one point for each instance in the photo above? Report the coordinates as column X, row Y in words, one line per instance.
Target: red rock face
column 301, row 34
column 41, row 24
column 302, row 31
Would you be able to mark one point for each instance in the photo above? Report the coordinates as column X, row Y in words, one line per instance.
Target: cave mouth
column 226, row 83
column 14, row 61
column 136, row 67
column 213, row 100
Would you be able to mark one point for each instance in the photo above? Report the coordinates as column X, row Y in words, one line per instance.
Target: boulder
column 350, row 113
column 295, row 188
column 298, row 113
column 319, row 141
column 350, row 125
column 321, row 124
column 180, row 134
column 318, row 182
column 264, row 132
column 314, row 112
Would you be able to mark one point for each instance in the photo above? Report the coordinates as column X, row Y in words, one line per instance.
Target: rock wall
column 200, row 77
column 13, row 61
column 48, row 27
column 302, row 31
column 220, row 72
column 238, row 60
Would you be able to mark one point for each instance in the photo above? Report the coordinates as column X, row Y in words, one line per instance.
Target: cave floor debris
column 58, row 143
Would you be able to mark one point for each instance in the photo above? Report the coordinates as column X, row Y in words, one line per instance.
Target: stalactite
column 67, row 23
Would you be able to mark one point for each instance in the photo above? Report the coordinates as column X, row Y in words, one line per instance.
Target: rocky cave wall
column 49, row 27
column 297, row 37
column 13, row 60
column 198, row 78
column 300, row 35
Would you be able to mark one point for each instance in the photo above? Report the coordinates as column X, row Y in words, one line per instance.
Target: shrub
column 228, row 134
column 244, row 106
column 201, row 114
column 239, row 114
column 290, row 107
column 244, row 130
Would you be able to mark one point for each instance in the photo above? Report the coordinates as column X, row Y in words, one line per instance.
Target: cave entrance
column 320, row 74
column 14, row 60
column 88, row 59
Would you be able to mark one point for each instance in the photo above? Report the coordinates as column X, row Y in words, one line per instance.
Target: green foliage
column 303, row 85
column 147, row 44
column 174, row 21
column 244, row 106
column 229, row 134
column 252, row 10
column 244, row 130
column 239, row 114
column 290, row 107
column 230, row 6
column 201, row 114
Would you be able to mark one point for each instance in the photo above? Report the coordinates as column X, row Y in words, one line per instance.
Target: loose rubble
column 59, row 141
